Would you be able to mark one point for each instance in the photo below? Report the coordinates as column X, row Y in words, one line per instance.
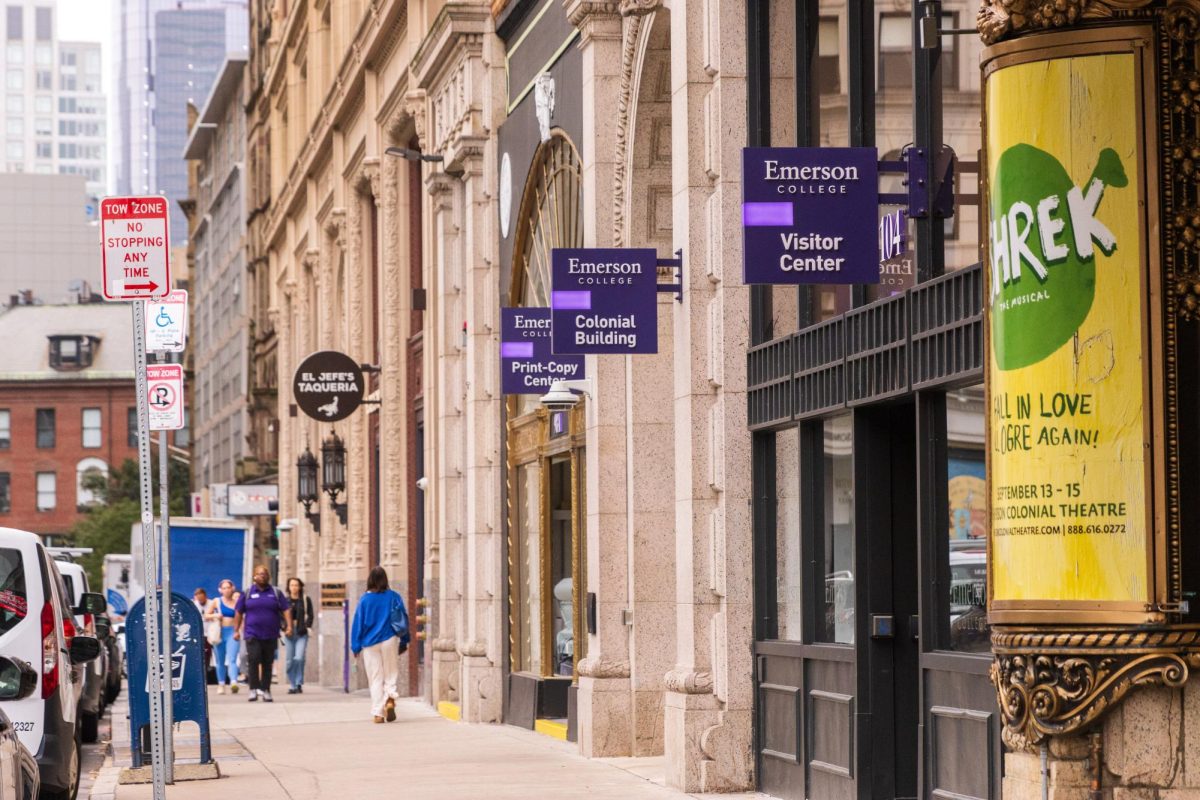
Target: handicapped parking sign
column 166, row 328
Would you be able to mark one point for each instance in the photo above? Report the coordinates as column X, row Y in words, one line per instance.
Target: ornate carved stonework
column 686, row 681
column 603, row 668
column 1052, row 683
column 999, row 19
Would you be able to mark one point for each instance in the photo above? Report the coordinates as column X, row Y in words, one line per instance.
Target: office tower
column 54, row 109
column 167, row 53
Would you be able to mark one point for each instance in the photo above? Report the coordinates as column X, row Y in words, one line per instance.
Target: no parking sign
column 164, row 396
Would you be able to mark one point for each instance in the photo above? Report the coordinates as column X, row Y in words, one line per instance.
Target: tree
column 106, row 526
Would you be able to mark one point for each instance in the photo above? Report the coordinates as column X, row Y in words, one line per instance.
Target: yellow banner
column 1067, row 461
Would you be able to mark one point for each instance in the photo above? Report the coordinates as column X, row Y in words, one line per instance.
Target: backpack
column 399, row 620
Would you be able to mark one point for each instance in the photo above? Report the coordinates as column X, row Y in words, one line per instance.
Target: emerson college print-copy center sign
column 809, row 214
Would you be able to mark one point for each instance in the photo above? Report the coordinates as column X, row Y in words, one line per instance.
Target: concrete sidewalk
column 322, row 745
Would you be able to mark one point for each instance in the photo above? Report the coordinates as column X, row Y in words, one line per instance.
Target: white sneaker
column 220, row 688
column 254, row 693
column 266, row 696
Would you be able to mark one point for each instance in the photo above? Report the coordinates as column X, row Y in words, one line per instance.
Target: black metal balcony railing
column 929, row 336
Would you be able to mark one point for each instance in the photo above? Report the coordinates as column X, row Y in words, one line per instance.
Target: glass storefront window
column 527, row 594
column 837, row 622
column 968, row 508
column 787, row 534
column 562, row 629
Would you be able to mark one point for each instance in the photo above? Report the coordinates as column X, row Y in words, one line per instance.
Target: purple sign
column 526, row 364
column 809, row 214
column 605, row 301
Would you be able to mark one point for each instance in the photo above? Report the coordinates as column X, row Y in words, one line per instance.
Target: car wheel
column 72, row 776
column 90, row 724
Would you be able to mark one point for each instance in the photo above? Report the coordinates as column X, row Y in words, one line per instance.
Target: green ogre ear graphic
column 1044, row 234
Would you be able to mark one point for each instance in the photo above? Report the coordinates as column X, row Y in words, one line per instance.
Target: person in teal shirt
column 380, row 634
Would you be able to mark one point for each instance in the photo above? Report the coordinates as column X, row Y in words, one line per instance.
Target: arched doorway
column 545, row 480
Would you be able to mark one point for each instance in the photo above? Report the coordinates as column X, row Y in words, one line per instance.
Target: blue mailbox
column 188, row 679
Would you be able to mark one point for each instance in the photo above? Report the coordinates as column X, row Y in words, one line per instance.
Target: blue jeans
column 226, row 655
column 294, row 650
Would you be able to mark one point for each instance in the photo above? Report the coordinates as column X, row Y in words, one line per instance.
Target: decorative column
column 1093, row 289
column 709, row 702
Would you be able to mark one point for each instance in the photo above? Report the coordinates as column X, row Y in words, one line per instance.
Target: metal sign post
column 164, row 501
column 150, row 561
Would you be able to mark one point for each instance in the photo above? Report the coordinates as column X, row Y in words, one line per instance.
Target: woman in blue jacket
column 380, row 633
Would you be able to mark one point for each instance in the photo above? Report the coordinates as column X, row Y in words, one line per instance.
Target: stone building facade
column 404, row 264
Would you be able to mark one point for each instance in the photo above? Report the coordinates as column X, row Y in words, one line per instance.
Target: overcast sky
column 87, row 21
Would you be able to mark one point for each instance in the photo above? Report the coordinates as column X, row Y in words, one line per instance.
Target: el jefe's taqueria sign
column 1067, row 423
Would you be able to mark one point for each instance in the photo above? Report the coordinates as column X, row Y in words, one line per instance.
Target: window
column 67, row 58
column 5, row 493
column 45, row 428
column 92, row 427
column 15, row 54
column 68, row 83
column 15, row 603
column 131, row 428
column 895, row 51
column 15, row 80
column 43, row 104
column 15, row 126
column 47, row 494
column 16, row 30
column 87, row 473
column 829, row 77
column 92, row 62
column 14, row 104
column 72, row 352
column 44, row 149
column 5, row 428
column 43, row 26
column 837, row 621
column 44, row 79
column 43, row 55
column 968, row 512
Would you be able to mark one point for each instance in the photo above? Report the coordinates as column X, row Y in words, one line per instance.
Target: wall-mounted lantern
column 306, row 487
column 333, row 472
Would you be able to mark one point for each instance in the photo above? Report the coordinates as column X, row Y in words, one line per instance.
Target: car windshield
column 13, row 598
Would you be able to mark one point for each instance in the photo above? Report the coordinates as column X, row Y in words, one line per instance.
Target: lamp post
column 333, row 472
column 306, row 483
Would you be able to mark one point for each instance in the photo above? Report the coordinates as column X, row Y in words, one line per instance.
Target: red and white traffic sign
column 164, row 393
column 137, row 252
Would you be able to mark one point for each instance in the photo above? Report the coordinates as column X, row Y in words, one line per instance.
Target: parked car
column 19, row 777
column 91, row 703
column 37, row 625
column 113, row 665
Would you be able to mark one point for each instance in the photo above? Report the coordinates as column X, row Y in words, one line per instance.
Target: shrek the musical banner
column 1066, row 287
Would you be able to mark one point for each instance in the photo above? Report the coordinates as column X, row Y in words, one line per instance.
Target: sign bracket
column 919, row 198
column 676, row 265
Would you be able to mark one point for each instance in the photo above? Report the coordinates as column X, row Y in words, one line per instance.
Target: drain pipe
column 1045, row 772
column 1096, row 765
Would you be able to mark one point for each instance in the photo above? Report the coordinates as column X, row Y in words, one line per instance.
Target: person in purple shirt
column 261, row 613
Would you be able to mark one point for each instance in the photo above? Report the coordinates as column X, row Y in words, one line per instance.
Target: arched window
column 85, row 497
column 551, row 216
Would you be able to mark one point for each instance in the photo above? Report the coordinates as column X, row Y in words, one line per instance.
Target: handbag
column 212, row 631
column 399, row 620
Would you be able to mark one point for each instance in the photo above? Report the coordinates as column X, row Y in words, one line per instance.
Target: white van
column 91, row 702
column 37, row 625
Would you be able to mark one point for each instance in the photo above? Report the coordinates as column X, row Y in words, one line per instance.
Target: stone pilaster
column 709, row 720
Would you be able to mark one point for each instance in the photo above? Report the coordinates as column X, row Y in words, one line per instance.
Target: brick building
column 67, row 407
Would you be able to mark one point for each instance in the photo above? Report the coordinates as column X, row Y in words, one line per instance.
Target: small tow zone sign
column 136, row 249
column 164, row 394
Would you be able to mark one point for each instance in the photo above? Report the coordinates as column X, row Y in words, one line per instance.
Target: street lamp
column 333, row 472
column 413, row 155
column 306, row 486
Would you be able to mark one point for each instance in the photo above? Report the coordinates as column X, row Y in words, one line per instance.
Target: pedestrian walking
column 223, row 611
column 262, row 612
column 380, row 633
column 200, row 601
column 295, row 647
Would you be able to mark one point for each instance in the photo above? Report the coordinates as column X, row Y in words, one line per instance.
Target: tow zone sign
column 164, row 394
column 136, row 248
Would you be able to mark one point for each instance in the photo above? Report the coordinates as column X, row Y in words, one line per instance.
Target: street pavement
column 322, row 745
